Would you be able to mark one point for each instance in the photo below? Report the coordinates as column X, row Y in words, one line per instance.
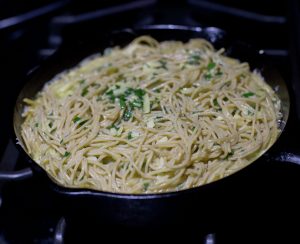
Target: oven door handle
column 16, row 175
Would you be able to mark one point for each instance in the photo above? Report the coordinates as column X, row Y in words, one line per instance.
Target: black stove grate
column 30, row 213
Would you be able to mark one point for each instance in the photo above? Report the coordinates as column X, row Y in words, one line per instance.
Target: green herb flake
column 50, row 124
column 128, row 91
column 127, row 113
column 111, row 95
column 207, row 76
column 195, row 57
column 250, row 113
column 67, row 154
column 122, row 102
column 84, row 91
column 129, row 137
column 36, row 124
column 144, row 165
column 113, row 126
column 128, row 106
column 81, row 82
column 139, row 93
column 248, row 94
column 216, row 102
column 76, row 119
column 83, row 122
column 146, row 186
column 225, row 99
column 193, row 62
column 219, row 73
column 211, row 65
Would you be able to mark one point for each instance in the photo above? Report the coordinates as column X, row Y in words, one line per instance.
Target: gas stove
column 267, row 211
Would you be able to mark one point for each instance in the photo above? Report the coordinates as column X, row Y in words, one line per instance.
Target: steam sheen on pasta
column 151, row 117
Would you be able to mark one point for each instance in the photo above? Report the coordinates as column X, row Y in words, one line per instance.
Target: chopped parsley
column 193, row 59
column 128, row 100
column 76, row 119
column 249, row 112
column 216, row 102
column 139, row 92
column 50, row 124
column 248, row 94
column 144, row 165
column 219, row 73
column 67, row 154
column 81, row 81
column 85, row 91
column 192, row 62
column 36, row 124
column 207, row 76
column 83, row 122
column 127, row 113
column 211, row 65
column 111, row 95
column 122, row 102
column 146, row 186
column 129, row 137
column 115, row 127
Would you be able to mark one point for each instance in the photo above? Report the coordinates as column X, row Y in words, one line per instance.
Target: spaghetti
column 151, row 117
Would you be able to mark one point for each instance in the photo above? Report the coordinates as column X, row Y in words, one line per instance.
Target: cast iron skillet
column 156, row 209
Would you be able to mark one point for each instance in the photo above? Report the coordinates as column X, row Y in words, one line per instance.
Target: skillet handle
column 16, row 175
column 286, row 157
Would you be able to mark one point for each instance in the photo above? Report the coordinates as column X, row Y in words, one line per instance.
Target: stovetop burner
column 30, row 213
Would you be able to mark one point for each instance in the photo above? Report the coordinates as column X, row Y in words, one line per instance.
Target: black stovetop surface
column 268, row 210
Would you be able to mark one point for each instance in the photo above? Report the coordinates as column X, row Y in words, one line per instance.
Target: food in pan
column 151, row 117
